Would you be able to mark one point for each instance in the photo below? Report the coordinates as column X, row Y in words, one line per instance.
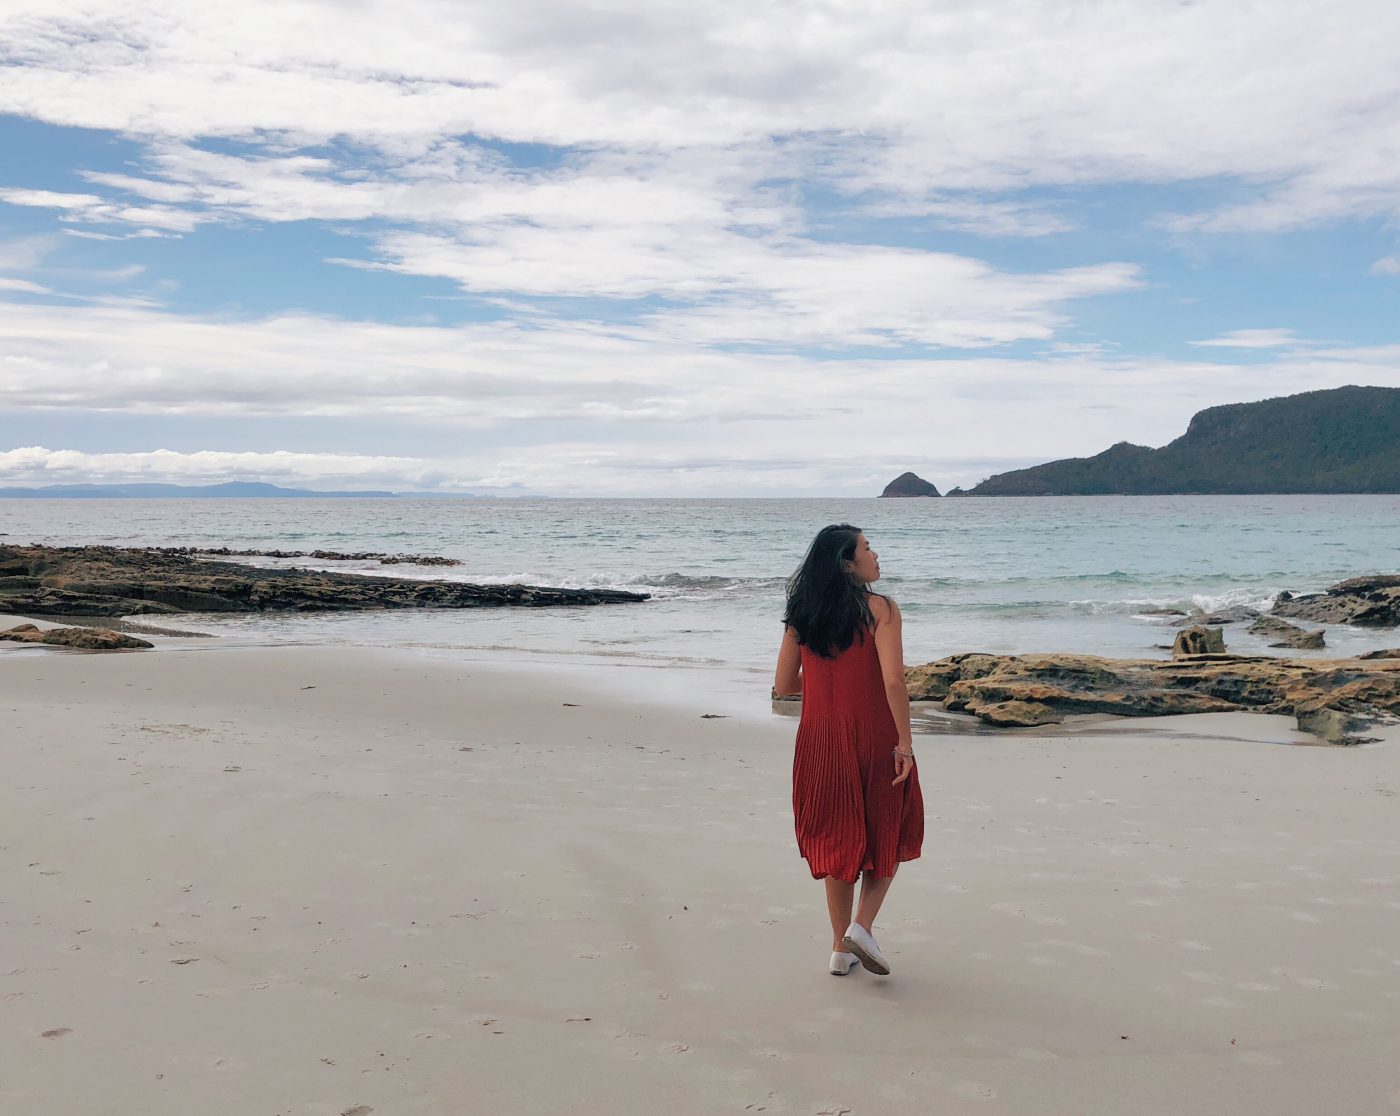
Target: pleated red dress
column 849, row 818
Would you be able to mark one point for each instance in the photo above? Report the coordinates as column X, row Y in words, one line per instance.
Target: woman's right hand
column 903, row 763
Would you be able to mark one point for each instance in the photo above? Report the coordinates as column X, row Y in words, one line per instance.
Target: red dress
column 849, row 818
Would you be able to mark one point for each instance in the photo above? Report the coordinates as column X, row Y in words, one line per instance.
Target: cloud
column 581, row 408
column 1251, row 339
column 22, row 286
column 90, row 207
column 1386, row 265
column 893, row 105
column 755, row 290
column 39, row 466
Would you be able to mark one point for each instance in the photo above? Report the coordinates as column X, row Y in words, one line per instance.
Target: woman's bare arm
column 788, row 679
column 889, row 644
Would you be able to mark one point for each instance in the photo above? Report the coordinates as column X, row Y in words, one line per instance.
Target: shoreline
column 309, row 879
column 729, row 691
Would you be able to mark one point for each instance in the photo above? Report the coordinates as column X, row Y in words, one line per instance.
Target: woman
column 855, row 792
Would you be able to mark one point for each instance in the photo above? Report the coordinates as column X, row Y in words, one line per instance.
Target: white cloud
column 592, row 409
column 908, row 101
column 1386, row 265
column 767, row 290
column 1251, row 339
column 606, row 227
column 90, row 207
column 40, row 466
column 22, row 286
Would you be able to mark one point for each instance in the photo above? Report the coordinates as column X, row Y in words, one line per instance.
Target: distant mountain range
column 1341, row 440
column 233, row 489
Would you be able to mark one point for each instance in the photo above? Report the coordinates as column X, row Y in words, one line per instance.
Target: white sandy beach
column 343, row 881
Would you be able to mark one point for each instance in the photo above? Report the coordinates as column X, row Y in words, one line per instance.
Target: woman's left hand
column 903, row 764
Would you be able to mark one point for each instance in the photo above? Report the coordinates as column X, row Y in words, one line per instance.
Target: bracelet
column 908, row 755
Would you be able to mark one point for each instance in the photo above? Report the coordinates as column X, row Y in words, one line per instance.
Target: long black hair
column 826, row 607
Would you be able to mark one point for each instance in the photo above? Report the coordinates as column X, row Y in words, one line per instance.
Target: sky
column 645, row 248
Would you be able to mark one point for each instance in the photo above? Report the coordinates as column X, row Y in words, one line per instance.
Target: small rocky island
column 909, row 484
column 115, row 581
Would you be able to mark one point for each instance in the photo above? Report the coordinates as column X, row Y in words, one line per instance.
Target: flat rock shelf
column 1335, row 699
column 121, row 581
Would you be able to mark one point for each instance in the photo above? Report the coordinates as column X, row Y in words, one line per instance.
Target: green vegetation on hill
column 1344, row 439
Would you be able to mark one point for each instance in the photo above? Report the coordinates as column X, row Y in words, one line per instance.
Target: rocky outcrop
column 1284, row 634
column 1198, row 641
column 88, row 639
column 1337, row 699
column 111, row 581
column 1367, row 602
column 909, row 484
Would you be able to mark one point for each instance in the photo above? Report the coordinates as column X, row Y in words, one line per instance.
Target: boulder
column 1369, row 602
column 1335, row 725
column 1019, row 713
column 1285, row 634
column 88, row 639
column 1198, row 641
column 908, row 484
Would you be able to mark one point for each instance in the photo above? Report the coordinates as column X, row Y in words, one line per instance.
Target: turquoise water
column 1009, row 575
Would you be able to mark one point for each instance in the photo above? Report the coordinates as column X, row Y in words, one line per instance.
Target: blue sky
column 666, row 249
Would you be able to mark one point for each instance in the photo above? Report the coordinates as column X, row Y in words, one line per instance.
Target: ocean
column 1001, row 575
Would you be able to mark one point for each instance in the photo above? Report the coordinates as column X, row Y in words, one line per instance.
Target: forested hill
column 1345, row 439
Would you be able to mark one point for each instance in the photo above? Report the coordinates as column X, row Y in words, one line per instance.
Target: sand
column 354, row 881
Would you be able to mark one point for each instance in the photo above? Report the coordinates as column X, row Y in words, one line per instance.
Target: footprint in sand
column 358, row 1110
column 57, row 1032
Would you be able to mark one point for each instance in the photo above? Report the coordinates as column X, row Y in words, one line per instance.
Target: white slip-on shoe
column 843, row 963
column 861, row 942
